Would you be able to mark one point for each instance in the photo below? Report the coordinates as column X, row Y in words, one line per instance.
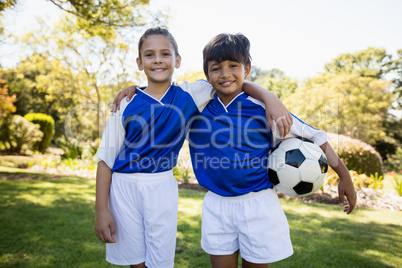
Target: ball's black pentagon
column 323, row 164
column 294, row 158
column 273, row 177
column 303, row 187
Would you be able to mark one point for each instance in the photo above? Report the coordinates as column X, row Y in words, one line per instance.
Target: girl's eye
column 166, row 54
column 148, row 55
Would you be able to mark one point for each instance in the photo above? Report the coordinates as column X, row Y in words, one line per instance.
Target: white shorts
column 253, row 223
column 144, row 208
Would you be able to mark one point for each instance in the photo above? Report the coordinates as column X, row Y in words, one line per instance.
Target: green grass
column 47, row 221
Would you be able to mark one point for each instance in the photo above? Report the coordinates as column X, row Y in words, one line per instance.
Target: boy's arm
column 273, row 106
column 104, row 224
column 129, row 92
column 345, row 186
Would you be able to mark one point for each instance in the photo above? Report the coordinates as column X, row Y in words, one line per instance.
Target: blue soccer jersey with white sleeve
column 229, row 145
column 146, row 134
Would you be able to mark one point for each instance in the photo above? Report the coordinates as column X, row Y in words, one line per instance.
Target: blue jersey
column 229, row 145
column 146, row 134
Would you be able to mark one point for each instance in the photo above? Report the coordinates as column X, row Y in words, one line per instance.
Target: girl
column 136, row 193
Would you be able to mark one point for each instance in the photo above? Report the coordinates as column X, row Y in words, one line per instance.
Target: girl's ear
column 247, row 70
column 178, row 62
column 139, row 64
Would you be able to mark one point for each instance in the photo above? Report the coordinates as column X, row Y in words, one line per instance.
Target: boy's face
column 158, row 59
column 227, row 78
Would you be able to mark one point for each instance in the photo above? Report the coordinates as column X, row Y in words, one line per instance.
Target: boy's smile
column 227, row 78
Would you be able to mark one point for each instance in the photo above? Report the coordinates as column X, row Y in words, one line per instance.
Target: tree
column 343, row 103
column 274, row 80
column 6, row 101
column 366, row 63
column 191, row 77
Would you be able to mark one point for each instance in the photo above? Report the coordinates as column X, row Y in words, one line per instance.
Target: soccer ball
column 297, row 167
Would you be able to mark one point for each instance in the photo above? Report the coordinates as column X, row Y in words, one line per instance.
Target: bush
column 359, row 180
column 19, row 135
column 357, row 155
column 46, row 124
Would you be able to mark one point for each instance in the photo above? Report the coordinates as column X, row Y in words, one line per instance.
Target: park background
column 335, row 64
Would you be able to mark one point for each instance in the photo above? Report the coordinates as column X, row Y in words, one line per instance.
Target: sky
column 296, row 36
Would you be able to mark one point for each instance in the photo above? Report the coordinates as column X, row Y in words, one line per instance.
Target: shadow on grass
column 341, row 242
column 48, row 222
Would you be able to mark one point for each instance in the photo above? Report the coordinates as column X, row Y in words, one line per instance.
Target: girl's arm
column 103, row 219
column 345, row 186
column 274, row 108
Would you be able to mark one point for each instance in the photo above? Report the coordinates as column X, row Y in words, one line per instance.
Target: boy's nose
column 225, row 72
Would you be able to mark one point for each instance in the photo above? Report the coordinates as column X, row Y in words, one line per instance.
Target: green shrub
column 46, row 124
column 394, row 162
column 19, row 135
column 357, row 155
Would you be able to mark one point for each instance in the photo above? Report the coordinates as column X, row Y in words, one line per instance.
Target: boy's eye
column 214, row 69
column 148, row 54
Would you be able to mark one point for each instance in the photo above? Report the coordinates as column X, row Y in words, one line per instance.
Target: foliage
column 347, row 104
column 366, row 63
column 191, row 77
column 394, row 68
column 394, row 162
column 44, row 85
column 75, row 149
column 397, row 183
column 356, row 154
column 359, row 180
column 46, row 124
column 19, row 135
column 274, row 80
column 104, row 17
column 6, row 101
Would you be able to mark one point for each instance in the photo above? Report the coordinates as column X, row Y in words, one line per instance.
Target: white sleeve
column 303, row 130
column 200, row 91
column 113, row 137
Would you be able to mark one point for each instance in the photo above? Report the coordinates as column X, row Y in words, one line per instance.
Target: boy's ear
column 139, row 63
column 247, row 70
column 178, row 62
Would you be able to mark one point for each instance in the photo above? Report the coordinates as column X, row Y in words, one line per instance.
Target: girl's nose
column 157, row 58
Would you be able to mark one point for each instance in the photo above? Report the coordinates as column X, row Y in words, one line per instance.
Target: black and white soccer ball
column 297, row 167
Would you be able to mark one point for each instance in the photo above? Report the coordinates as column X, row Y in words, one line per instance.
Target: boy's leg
column 263, row 228
column 246, row 264
column 225, row 261
column 141, row 265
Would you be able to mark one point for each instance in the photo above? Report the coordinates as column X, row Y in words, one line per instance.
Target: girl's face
column 157, row 59
column 227, row 78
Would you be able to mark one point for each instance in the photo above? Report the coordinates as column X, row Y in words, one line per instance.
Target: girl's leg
column 246, row 264
column 225, row 261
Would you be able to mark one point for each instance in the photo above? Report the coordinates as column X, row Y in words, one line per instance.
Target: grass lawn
column 47, row 221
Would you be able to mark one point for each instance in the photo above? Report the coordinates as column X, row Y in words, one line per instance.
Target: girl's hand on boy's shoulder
column 129, row 92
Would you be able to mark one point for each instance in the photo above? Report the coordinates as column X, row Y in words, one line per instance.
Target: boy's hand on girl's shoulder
column 346, row 188
column 104, row 227
column 129, row 92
